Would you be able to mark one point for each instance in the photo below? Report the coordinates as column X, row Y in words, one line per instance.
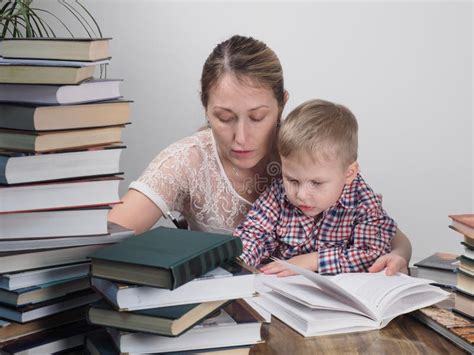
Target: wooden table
column 403, row 335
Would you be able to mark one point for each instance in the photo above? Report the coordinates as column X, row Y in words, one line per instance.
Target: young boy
column 321, row 215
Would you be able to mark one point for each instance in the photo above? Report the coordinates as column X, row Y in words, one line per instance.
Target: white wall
column 405, row 70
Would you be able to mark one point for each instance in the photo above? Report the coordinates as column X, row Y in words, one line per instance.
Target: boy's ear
column 351, row 172
column 286, row 96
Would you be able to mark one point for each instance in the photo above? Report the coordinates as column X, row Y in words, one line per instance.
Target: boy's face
column 315, row 185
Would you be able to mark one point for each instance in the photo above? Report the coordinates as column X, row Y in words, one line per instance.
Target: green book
column 168, row 321
column 165, row 257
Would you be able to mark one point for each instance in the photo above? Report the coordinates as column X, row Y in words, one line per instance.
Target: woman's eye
column 225, row 118
column 257, row 118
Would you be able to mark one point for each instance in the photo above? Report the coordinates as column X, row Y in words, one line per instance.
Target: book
column 53, row 62
column 236, row 325
column 19, row 261
column 464, row 304
column 439, row 267
column 463, row 223
column 313, row 304
column 466, row 264
column 85, row 49
column 168, row 321
column 11, row 330
column 165, row 257
column 20, row 168
column 49, row 141
column 465, row 281
column 43, row 292
column 59, row 195
column 40, row 74
column 58, row 340
column 16, row 227
column 88, row 91
column 468, row 251
column 457, row 329
column 100, row 343
column 60, row 117
column 230, row 281
column 15, row 281
column 31, row 312
column 116, row 234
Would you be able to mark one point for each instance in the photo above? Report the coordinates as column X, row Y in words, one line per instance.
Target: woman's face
column 243, row 119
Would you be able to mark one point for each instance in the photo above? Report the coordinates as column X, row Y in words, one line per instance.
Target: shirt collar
column 348, row 197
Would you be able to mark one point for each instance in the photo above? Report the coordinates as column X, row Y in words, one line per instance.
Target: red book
column 464, row 224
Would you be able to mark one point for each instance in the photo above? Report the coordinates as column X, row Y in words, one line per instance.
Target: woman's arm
column 136, row 212
column 397, row 260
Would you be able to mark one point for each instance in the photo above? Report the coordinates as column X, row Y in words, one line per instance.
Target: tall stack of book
column 60, row 133
column 173, row 290
column 464, row 294
column 454, row 319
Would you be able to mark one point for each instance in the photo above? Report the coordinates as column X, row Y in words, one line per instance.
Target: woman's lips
column 242, row 153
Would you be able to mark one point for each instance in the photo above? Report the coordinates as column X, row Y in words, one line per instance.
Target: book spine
column 3, row 170
column 205, row 262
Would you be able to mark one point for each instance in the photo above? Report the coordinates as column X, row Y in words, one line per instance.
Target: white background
column 404, row 69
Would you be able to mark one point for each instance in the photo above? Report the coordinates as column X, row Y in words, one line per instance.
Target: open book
column 319, row 305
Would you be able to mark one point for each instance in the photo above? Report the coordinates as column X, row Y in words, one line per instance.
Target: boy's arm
column 371, row 237
column 257, row 231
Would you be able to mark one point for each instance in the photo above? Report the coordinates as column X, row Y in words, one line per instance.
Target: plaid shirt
column 349, row 236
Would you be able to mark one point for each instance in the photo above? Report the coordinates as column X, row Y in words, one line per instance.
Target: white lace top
column 188, row 177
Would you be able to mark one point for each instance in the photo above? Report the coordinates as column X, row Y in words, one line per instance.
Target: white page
column 326, row 285
column 55, row 63
column 304, row 291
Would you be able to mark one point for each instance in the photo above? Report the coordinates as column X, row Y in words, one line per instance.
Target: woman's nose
column 241, row 132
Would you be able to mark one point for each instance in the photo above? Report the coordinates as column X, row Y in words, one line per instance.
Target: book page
column 372, row 288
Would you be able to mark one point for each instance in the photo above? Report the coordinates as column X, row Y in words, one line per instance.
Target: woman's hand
column 307, row 261
column 393, row 262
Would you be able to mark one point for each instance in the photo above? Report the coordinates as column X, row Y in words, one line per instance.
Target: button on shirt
column 348, row 236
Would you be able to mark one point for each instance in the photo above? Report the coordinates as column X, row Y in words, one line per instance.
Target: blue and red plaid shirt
column 349, row 236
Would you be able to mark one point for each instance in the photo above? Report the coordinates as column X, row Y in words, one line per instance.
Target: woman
column 213, row 177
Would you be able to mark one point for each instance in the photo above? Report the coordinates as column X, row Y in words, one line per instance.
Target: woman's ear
column 351, row 172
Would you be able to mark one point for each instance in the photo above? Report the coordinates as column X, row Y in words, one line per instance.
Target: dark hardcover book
column 465, row 280
column 100, row 343
column 11, row 330
column 168, row 321
column 43, row 292
column 85, row 49
column 165, row 257
column 57, row 117
column 28, row 313
column 439, row 267
column 88, row 91
column 51, row 141
column 52, row 340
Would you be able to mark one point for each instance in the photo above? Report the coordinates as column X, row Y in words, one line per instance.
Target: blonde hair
column 249, row 60
column 323, row 129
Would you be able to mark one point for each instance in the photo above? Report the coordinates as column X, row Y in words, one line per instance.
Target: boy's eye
column 315, row 183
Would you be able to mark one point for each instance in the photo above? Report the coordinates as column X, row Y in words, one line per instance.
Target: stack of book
column 60, row 133
column 439, row 267
column 464, row 294
column 173, row 290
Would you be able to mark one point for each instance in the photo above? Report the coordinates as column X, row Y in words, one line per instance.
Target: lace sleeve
column 166, row 179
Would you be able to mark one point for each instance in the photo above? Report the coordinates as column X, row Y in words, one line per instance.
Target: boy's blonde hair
column 323, row 129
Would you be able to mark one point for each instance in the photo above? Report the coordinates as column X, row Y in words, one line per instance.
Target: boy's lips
column 305, row 208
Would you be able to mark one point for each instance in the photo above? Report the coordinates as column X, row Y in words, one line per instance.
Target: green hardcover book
column 165, row 257
column 168, row 321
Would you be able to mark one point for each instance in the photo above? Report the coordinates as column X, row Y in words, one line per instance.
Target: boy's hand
column 308, row 261
column 393, row 262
